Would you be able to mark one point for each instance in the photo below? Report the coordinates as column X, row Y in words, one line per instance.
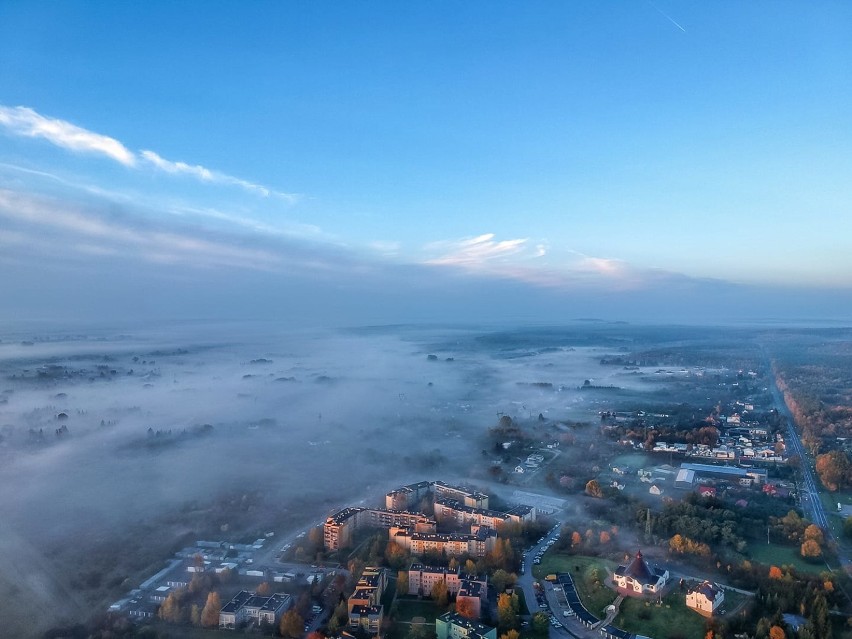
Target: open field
column 829, row 502
column 408, row 609
column 775, row 555
column 671, row 619
column 411, row 608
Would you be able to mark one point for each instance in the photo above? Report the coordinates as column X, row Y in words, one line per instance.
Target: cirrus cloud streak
column 537, row 263
column 26, row 122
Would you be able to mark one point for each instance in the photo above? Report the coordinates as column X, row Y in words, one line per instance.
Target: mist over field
column 121, row 445
column 129, row 442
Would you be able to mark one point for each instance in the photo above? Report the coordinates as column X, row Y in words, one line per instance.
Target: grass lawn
column 522, row 601
column 407, row 609
column 829, row 502
column 389, row 593
column 179, row 631
column 776, row 555
column 672, row 619
column 840, row 629
column 589, row 574
column 635, row 460
column 733, row 599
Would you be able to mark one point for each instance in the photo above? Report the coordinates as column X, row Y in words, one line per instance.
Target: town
column 433, row 560
column 672, row 494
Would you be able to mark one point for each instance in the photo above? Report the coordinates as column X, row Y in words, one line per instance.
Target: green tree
column 333, row 625
column 440, row 594
column 195, row 615
column 500, row 579
column 210, row 613
column 200, row 582
column 505, row 423
column 540, row 624
column 315, row 536
column 507, row 610
column 819, row 618
column 377, row 548
column 291, row 624
column 170, row 610
column 508, row 551
column 470, row 567
column 402, row 582
column 356, row 569
column 396, row 556
column 341, row 613
column 417, row 631
column 497, row 557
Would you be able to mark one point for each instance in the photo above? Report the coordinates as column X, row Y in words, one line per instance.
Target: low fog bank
column 117, row 440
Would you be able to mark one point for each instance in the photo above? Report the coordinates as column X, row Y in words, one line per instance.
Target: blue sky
column 565, row 155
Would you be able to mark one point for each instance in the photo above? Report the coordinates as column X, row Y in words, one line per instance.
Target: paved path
column 611, row 614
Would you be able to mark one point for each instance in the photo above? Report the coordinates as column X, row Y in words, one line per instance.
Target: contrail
column 666, row 16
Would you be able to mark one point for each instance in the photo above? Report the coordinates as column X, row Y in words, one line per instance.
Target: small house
column 705, row 598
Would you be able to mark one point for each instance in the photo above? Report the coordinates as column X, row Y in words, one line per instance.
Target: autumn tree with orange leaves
column 465, row 608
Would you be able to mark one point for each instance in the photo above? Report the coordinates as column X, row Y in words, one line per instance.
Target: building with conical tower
column 639, row 578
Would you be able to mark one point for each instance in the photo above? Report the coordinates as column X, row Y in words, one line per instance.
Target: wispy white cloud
column 537, row 263
column 196, row 171
column 602, row 266
column 280, row 229
column 475, row 252
column 87, row 231
column 26, row 122
column 209, row 175
column 91, row 229
column 172, row 206
column 387, row 249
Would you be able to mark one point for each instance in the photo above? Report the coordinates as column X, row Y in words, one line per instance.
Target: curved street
column 555, row 599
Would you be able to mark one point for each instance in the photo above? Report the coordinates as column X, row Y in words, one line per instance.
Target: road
column 809, row 491
column 571, row 627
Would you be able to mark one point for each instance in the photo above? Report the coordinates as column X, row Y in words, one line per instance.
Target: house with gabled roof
column 705, row 598
column 639, row 578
